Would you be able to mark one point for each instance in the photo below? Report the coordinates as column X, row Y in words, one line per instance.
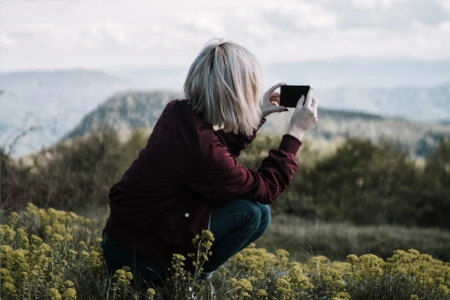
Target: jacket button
column 186, row 215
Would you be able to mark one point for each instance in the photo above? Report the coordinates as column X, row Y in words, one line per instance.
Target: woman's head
column 224, row 84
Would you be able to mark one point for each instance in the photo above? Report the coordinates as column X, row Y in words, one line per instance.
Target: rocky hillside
column 37, row 108
column 140, row 109
column 125, row 111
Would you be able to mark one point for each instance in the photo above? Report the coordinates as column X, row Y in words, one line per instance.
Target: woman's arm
column 238, row 142
column 220, row 178
column 235, row 143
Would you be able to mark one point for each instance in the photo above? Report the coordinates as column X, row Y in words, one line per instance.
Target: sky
column 121, row 34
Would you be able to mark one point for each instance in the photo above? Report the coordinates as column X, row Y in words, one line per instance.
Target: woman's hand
column 304, row 117
column 271, row 101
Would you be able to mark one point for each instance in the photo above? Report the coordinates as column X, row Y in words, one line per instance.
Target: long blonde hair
column 224, row 85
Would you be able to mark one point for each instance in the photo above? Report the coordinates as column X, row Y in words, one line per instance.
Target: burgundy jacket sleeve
column 220, row 178
column 235, row 143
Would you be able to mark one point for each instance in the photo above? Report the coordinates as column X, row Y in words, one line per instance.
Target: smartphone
column 290, row 94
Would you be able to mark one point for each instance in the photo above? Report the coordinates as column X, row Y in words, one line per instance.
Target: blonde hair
column 224, row 85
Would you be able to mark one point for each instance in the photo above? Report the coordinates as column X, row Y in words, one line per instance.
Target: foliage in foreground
column 335, row 240
column 361, row 182
column 364, row 183
column 50, row 254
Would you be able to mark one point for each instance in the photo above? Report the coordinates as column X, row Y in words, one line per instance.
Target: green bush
column 361, row 183
column 51, row 254
column 335, row 240
column 71, row 175
column 365, row 183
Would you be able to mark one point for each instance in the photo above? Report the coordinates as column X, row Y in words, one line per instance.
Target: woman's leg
column 235, row 225
column 117, row 256
column 263, row 225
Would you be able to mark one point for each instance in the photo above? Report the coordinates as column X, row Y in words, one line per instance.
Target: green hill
column 141, row 109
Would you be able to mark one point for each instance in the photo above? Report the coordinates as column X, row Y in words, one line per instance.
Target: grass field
column 50, row 254
column 304, row 239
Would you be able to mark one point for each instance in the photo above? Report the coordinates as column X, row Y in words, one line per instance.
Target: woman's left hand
column 271, row 101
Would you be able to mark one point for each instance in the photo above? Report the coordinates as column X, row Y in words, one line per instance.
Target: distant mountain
column 408, row 89
column 45, row 105
column 127, row 110
column 429, row 104
column 365, row 73
column 327, row 74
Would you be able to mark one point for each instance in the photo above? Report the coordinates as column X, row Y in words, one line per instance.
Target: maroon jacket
column 164, row 198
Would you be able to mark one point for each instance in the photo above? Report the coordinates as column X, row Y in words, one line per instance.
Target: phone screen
column 290, row 94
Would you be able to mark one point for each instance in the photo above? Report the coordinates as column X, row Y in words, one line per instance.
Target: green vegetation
column 71, row 175
column 51, row 254
column 304, row 239
column 360, row 183
column 361, row 198
column 365, row 183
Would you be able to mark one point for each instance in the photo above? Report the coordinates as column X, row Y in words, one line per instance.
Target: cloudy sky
column 112, row 34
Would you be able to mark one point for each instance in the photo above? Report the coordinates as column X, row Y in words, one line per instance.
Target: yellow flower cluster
column 50, row 254
column 202, row 244
column 38, row 257
column 241, row 288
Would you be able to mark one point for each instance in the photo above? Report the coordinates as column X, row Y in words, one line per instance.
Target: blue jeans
column 235, row 225
column 117, row 256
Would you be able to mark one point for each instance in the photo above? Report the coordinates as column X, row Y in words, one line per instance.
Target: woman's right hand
column 304, row 117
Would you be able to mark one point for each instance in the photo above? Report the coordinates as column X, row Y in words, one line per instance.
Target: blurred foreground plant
column 51, row 254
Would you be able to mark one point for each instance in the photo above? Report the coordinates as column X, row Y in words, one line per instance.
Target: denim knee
column 252, row 210
column 265, row 216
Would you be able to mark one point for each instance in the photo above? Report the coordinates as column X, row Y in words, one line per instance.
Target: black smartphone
column 290, row 94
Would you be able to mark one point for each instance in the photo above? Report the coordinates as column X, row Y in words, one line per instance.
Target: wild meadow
column 51, row 254
column 364, row 222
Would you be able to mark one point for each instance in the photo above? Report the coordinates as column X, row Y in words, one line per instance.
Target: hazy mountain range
column 127, row 110
column 49, row 104
column 54, row 102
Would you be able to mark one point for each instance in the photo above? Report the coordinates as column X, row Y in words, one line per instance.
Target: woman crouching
column 187, row 179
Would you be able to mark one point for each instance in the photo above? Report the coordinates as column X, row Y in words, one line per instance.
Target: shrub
column 71, row 175
column 50, row 254
column 361, row 183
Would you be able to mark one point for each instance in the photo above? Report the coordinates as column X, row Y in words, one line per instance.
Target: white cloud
column 377, row 4
column 299, row 15
column 109, row 34
column 5, row 40
column 445, row 4
column 202, row 23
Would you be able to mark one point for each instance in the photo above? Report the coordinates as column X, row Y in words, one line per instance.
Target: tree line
column 360, row 183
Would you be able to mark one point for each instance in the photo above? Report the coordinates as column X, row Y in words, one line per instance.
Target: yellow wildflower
column 70, row 294
column 352, row 258
column 123, row 276
column 242, row 287
column 13, row 219
column 82, row 245
column 8, row 289
column 283, row 257
column 54, row 294
column 262, row 294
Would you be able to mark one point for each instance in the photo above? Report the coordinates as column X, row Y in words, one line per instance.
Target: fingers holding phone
column 314, row 106
column 305, row 115
column 271, row 101
column 309, row 97
column 275, row 99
